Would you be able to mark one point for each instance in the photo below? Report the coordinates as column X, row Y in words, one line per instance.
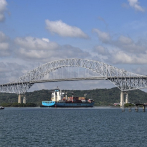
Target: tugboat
column 1, row 107
column 58, row 100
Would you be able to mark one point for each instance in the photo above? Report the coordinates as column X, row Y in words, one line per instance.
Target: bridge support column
column 24, row 100
column 19, row 99
column 127, row 99
column 121, row 99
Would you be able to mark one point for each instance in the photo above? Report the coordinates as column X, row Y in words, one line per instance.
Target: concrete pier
column 24, row 100
column 19, row 99
column 127, row 99
column 143, row 105
column 121, row 99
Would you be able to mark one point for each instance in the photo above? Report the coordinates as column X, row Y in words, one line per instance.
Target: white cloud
column 44, row 50
column 125, row 40
column 35, row 43
column 3, row 5
column 10, row 71
column 127, row 44
column 4, row 45
column 121, row 50
column 122, row 42
column 135, row 5
column 116, row 55
column 63, row 29
column 103, row 20
column 62, row 52
column 103, row 36
column 124, row 57
column 46, row 39
column 3, row 37
column 101, row 50
column 119, row 56
column 33, row 54
column 34, row 48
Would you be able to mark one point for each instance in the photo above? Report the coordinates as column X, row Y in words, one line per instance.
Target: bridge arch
column 123, row 79
column 96, row 66
column 109, row 72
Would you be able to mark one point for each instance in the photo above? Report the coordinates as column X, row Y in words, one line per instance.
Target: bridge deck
column 73, row 79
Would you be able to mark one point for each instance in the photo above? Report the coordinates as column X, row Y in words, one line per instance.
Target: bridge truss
column 123, row 79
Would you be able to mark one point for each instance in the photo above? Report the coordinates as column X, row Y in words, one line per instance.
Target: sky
column 34, row 32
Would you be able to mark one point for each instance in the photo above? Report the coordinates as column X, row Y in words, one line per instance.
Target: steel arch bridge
column 123, row 79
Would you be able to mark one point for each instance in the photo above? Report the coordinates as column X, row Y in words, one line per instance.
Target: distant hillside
column 101, row 96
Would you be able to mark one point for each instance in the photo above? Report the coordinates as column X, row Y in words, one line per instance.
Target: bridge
column 121, row 78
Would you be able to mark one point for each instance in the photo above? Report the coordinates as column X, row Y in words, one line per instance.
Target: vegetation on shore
column 102, row 97
column 18, row 105
column 129, row 105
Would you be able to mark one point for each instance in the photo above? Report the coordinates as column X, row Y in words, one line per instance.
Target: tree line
column 102, row 97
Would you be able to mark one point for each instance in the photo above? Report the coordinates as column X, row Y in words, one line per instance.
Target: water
column 78, row 127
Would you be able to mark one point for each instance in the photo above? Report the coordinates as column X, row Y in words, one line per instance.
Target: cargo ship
column 60, row 99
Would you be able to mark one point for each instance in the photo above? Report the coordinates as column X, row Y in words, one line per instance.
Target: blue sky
column 32, row 32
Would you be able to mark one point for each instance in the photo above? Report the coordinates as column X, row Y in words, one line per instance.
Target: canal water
column 72, row 127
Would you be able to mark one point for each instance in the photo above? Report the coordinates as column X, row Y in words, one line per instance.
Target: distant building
column 116, row 104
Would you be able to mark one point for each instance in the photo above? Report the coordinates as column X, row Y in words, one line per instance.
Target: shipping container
column 81, row 98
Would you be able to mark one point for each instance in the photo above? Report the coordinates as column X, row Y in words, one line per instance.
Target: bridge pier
column 19, row 99
column 121, row 99
column 127, row 99
column 24, row 100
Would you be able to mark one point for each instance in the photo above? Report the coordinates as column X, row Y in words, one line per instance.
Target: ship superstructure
column 57, row 95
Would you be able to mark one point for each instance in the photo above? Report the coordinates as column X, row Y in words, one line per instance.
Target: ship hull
column 74, row 104
column 48, row 104
column 64, row 104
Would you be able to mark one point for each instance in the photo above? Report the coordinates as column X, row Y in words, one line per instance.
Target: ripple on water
column 72, row 127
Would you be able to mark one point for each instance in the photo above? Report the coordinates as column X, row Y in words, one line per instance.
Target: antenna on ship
column 66, row 95
column 85, row 96
column 72, row 96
